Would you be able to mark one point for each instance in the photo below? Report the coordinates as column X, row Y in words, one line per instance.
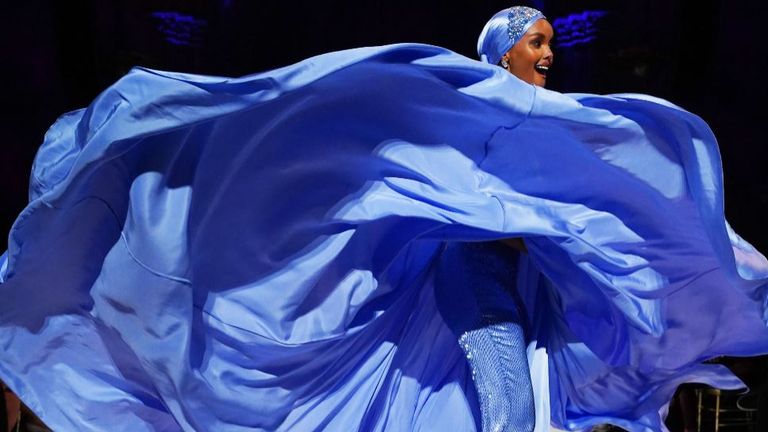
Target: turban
column 503, row 31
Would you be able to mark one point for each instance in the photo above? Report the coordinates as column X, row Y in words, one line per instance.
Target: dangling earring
column 504, row 63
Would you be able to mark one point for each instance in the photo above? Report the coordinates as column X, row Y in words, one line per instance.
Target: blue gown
column 272, row 252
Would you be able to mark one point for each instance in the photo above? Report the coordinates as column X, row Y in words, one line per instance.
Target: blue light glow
column 180, row 29
column 578, row 28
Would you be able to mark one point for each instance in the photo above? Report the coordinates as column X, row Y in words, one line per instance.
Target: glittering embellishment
column 495, row 348
column 520, row 20
column 496, row 356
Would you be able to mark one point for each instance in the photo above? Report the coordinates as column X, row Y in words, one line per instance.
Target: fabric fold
column 260, row 253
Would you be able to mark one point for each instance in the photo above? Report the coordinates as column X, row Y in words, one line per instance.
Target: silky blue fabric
column 260, row 253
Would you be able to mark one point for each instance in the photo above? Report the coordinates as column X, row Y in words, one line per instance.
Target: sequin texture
column 520, row 20
column 495, row 347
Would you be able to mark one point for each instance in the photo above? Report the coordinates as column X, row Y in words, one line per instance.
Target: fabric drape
column 261, row 253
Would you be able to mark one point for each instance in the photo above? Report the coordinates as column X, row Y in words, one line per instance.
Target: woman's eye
column 537, row 44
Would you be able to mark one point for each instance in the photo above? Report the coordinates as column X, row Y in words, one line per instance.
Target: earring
column 504, row 64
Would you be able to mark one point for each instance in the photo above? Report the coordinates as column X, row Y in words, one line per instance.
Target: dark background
column 709, row 56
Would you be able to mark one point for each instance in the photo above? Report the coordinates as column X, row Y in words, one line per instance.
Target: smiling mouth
column 541, row 69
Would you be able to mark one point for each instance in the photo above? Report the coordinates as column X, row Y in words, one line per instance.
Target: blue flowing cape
column 206, row 253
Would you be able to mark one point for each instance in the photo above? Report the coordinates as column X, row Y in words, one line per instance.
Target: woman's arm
column 515, row 243
column 12, row 406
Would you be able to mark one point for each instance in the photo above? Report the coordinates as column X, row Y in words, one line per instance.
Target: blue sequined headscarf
column 503, row 31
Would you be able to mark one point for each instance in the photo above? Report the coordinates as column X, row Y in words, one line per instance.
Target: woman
column 489, row 318
column 274, row 252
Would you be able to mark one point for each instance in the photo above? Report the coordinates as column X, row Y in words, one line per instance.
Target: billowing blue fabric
column 261, row 253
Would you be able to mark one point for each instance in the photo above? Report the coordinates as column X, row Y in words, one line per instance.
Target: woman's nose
column 548, row 54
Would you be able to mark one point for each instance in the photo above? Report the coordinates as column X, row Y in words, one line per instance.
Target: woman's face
column 532, row 56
